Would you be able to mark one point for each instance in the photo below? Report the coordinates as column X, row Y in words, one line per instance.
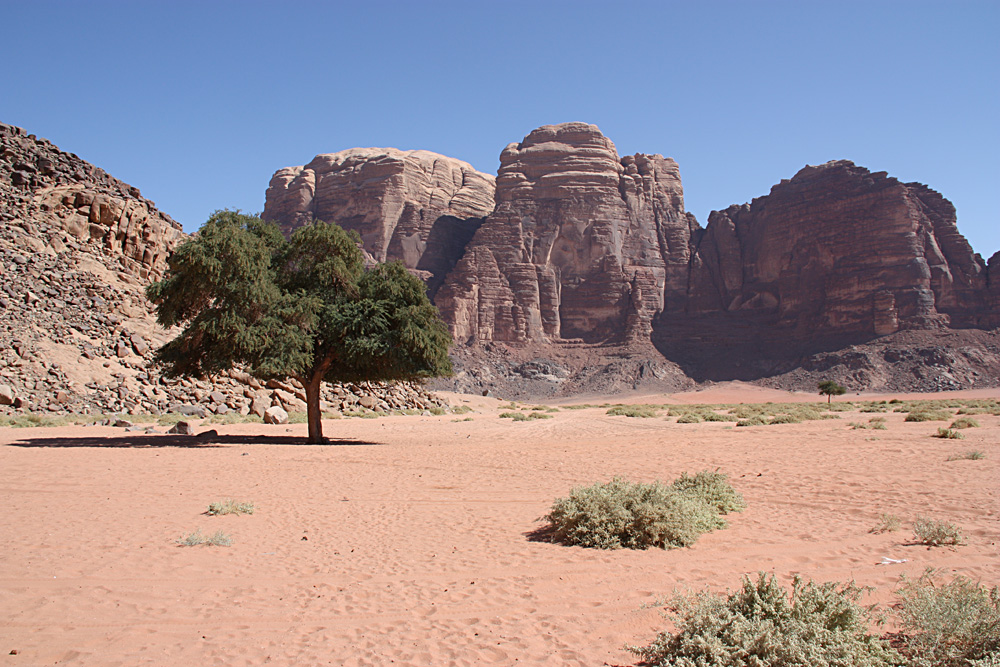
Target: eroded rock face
column 582, row 244
column 416, row 206
column 839, row 249
column 44, row 185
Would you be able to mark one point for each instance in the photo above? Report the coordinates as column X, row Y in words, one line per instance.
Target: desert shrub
column 716, row 417
column 538, row 415
column 460, row 409
column 33, row 420
column 840, row 407
column 236, row 418
column 756, row 420
column 577, row 407
column 948, row 434
column 463, row 419
column 875, row 408
column 509, row 415
column 937, row 533
column 876, row 425
column 949, row 625
column 216, row 539
column 973, row 455
column 964, row 422
column 712, row 487
column 785, row 419
column 762, row 625
column 296, row 417
column 887, row 523
column 436, row 410
column 623, row 514
column 928, row 416
column 634, row 411
column 689, row 418
column 230, row 506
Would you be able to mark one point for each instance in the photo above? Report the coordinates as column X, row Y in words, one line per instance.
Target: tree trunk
column 828, row 398
column 313, row 413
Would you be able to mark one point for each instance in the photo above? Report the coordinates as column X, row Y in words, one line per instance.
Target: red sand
column 408, row 542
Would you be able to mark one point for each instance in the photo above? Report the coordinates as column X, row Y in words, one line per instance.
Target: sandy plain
column 408, row 539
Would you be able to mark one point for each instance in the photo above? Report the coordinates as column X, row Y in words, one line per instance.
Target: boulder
column 275, row 415
column 182, row 428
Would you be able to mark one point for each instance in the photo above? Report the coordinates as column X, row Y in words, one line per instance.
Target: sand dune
column 407, row 541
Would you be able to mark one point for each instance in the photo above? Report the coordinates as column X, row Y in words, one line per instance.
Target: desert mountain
column 587, row 274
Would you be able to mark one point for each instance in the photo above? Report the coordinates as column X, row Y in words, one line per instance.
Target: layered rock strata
column 841, row 250
column 582, row 244
column 415, row 206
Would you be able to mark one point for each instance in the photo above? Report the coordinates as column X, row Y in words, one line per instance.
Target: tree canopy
column 829, row 388
column 303, row 307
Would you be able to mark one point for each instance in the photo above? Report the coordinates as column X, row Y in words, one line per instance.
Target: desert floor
column 408, row 539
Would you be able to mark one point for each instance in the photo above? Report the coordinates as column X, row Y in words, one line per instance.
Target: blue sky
column 198, row 103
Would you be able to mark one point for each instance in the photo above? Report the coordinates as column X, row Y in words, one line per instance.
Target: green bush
column 937, row 533
column 949, row 625
column 623, row 514
column 756, row 420
column 761, row 625
column 928, row 416
column 460, row 409
column 965, row 422
column 634, row 411
column 785, row 419
column 948, row 434
column 689, row 418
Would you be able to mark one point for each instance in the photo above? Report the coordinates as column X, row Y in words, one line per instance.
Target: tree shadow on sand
column 202, row 441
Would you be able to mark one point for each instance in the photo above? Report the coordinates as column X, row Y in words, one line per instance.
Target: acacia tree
column 829, row 388
column 303, row 307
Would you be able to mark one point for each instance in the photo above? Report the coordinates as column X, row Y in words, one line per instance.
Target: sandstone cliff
column 415, row 206
column 582, row 244
column 840, row 250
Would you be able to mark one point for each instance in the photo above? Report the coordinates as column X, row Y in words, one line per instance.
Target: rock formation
column 582, row 244
column 77, row 248
column 840, row 250
column 415, row 206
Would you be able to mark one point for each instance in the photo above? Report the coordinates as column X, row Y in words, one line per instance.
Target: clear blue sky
column 198, row 103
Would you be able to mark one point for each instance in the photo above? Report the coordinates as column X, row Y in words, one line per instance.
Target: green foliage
column 887, row 523
column 973, row 455
column 634, row 411
column 216, row 539
column 928, row 416
column 785, row 419
column 937, row 533
column 762, row 625
column 965, row 422
column 302, row 307
column 460, row 409
column 689, row 418
column 235, row 418
column 829, row 388
column 948, row 434
column 713, row 488
column 623, row 514
column 949, row 625
column 756, row 420
column 230, row 506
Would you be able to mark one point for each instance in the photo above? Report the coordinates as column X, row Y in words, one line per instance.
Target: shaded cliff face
column 415, row 206
column 581, row 244
column 840, row 250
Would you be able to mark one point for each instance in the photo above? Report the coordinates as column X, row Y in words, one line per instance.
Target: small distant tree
column 829, row 388
column 303, row 307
